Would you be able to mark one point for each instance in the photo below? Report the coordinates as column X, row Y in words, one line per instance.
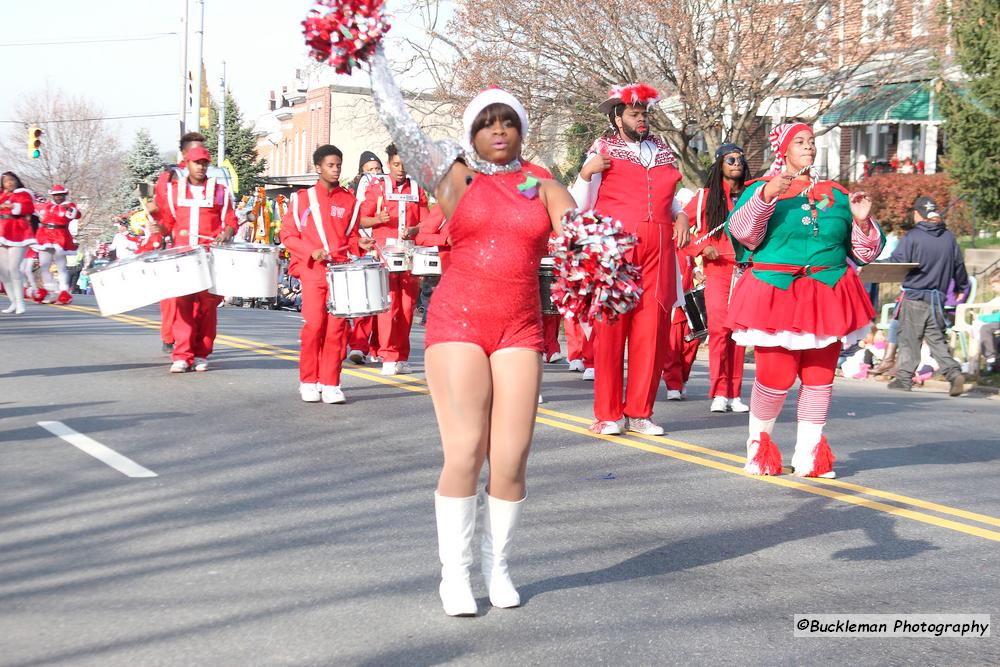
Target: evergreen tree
column 142, row 162
column 241, row 145
column 972, row 115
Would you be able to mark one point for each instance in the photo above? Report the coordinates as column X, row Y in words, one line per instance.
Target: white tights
column 28, row 273
column 10, row 271
column 45, row 259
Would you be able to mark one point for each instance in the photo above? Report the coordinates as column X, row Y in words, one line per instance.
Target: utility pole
column 197, row 79
column 222, row 116
column 184, row 68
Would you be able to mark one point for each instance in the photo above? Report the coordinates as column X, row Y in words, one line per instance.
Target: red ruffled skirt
column 806, row 307
column 47, row 238
column 16, row 231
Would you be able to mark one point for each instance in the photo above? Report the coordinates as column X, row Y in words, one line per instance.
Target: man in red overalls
column 631, row 176
column 323, row 232
column 198, row 211
column 389, row 199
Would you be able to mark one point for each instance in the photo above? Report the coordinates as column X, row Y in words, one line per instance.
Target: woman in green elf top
column 801, row 301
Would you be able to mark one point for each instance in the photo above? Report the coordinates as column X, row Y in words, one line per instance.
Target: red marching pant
column 168, row 311
column 394, row 324
column 680, row 353
column 361, row 337
column 550, row 334
column 578, row 346
column 643, row 327
column 195, row 325
column 725, row 357
column 324, row 337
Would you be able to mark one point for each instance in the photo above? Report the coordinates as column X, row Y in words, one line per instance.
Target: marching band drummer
column 324, row 232
column 708, row 210
column 363, row 337
column 199, row 211
column 54, row 239
column 394, row 196
column 168, row 307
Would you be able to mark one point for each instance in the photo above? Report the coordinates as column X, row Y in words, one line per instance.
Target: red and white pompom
column 342, row 33
column 594, row 281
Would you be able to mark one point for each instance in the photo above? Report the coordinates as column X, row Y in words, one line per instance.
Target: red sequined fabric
column 489, row 295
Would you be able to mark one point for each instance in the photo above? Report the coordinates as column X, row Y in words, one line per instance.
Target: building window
column 922, row 15
column 876, row 20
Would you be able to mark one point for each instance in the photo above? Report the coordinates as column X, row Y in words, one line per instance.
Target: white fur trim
column 483, row 100
column 795, row 341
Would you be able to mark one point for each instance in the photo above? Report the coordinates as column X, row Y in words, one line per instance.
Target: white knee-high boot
column 500, row 519
column 456, row 526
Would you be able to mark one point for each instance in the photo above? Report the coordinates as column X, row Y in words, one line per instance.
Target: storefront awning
column 893, row 103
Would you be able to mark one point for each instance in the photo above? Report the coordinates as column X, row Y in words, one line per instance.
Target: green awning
column 893, row 103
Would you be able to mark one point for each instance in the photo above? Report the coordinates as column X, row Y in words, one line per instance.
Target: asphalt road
column 282, row 533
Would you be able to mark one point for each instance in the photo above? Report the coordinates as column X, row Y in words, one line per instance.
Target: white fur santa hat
column 485, row 99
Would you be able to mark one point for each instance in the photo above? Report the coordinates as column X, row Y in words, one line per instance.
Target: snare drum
column 179, row 271
column 546, row 279
column 426, row 262
column 247, row 270
column 358, row 288
column 123, row 285
column 697, row 316
column 397, row 259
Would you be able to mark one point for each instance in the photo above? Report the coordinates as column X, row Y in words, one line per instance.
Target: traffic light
column 34, row 142
column 203, row 120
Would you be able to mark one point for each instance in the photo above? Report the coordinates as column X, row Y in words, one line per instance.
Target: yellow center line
column 642, row 442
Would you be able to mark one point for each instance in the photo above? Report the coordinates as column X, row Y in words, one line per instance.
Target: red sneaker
column 64, row 297
column 40, row 294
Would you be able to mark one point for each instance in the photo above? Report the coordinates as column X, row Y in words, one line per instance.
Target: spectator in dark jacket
column 921, row 312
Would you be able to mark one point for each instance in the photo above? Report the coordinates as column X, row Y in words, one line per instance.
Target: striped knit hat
column 780, row 138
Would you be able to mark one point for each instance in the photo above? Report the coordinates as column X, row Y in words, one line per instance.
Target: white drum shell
column 357, row 289
column 397, row 259
column 245, row 270
column 123, row 286
column 426, row 262
column 179, row 272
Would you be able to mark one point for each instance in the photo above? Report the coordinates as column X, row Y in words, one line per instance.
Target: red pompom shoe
column 64, row 298
column 766, row 460
column 40, row 294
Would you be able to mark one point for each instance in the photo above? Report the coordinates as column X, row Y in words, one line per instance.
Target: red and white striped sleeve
column 866, row 247
column 748, row 223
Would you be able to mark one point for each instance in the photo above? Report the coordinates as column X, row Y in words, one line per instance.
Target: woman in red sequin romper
column 484, row 325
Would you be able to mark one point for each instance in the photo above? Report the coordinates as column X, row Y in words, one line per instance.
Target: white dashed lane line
column 102, row 453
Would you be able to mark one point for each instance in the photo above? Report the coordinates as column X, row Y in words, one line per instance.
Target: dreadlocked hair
column 716, row 206
column 612, row 130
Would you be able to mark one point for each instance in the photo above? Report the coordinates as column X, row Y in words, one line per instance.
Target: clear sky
column 261, row 42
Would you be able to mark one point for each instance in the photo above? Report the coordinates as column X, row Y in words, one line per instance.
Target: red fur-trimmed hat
column 58, row 189
column 633, row 94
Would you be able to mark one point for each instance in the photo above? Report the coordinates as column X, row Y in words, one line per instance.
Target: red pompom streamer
column 343, row 33
column 594, row 281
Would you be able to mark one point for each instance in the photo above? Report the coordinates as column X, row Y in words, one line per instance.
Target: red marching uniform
column 394, row 325
column 322, row 221
column 195, row 215
column 638, row 189
column 680, row 353
column 168, row 307
column 550, row 323
column 54, row 231
column 434, row 232
column 363, row 335
column 15, row 222
column 725, row 362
